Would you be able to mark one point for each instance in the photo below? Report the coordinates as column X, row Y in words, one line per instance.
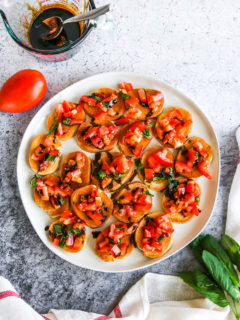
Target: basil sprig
column 221, row 278
column 54, row 127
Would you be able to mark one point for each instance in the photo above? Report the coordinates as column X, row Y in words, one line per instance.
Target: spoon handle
column 88, row 15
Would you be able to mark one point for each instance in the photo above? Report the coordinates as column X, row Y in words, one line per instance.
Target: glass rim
column 73, row 44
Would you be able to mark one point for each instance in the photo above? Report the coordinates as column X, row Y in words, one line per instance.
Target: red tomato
column 149, row 173
column 23, row 91
column 202, row 167
column 162, row 158
column 182, row 167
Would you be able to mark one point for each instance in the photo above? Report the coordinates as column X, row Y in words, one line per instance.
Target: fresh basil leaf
column 149, row 193
column 105, row 104
column 197, row 248
column 77, row 231
column 147, row 133
column 197, row 199
column 102, row 174
column 151, row 124
column 54, row 127
column 94, row 96
column 220, row 274
column 157, row 178
column 210, row 244
column 112, row 103
column 232, row 248
column 58, row 229
column 61, row 200
column 200, row 282
column 139, row 166
column 67, row 121
column 123, row 95
column 33, row 182
column 62, row 243
column 69, row 232
column 50, row 158
column 120, row 175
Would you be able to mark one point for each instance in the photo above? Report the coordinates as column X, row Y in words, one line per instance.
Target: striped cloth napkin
column 153, row 297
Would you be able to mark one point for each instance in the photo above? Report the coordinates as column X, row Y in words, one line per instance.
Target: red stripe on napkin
column 45, row 317
column 118, row 312
column 6, row 294
column 103, row 318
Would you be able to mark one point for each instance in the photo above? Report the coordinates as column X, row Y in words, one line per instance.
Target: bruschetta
column 194, row 158
column 142, row 103
column 44, row 154
column 103, row 104
column 173, row 127
column 114, row 242
column 182, row 200
column 132, row 202
column 156, row 167
column 68, row 232
column 154, row 235
column 65, row 120
column 135, row 137
column 97, row 136
column 111, row 171
column 92, row 206
column 51, row 195
column 75, row 169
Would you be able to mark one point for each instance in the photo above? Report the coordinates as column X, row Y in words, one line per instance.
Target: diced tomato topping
column 91, row 132
column 142, row 95
column 154, row 163
column 50, row 183
column 144, row 203
column 191, row 155
column 138, row 125
column 104, row 243
column 56, row 242
column 137, row 150
column 95, row 216
column 122, row 121
column 203, row 168
column 59, row 110
column 149, row 174
column 123, row 248
column 157, row 97
column 60, row 130
column 132, row 101
column 182, row 167
column 76, row 121
column 115, row 250
column 77, row 243
column 70, row 240
column 92, row 102
column 160, row 133
column 67, row 214
column 126, row 86
column 103, row 131
column 100, row 116
column 161, row 157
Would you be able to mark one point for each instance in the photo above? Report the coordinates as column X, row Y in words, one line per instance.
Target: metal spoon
column 55, row 24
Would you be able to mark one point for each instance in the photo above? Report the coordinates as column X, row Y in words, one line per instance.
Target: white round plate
column 184, row 233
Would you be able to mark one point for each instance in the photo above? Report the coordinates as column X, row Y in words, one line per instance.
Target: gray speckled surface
column 192, row 45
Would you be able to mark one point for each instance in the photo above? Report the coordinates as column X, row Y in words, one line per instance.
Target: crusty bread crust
column 166, row 242
column 85, row 171
column 107, row 205
column 188, row 144
column 34, row 164
column 85, row 145
column 119, row 107
column 186, row 116
column 154, row 185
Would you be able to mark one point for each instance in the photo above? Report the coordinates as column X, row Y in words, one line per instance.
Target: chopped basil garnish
column 149, row 193
column 51, row 157
column 54, row 127
column 77, row 231
column 61, row 200
column 139, row 165
column 120, row 175
column 33, row 182
column 94, row 96
column 147, row 133
column 123, row 95
column 58, row 229
column 67, row 121
column 156, row 178
column 197, row 199
column 151, row 124
column 102, row 174
column 109, row 104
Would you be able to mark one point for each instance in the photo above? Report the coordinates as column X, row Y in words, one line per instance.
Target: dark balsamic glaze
column 70, row 33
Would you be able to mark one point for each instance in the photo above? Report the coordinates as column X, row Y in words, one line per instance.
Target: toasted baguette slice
column 158, row 185
column 70, row 130
column 83, row 236
column 107, row 205
column 177, row 217
column 46, row 205
column 85, row 171
column 124, row 147
column 35, row 165
column 89, row 147
column 116, row 183
column 129, row 187
column 119, row 107
column 166, row 242
column 146, row 111
column 186, row 116
column 108, row 256
column 182, row 158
